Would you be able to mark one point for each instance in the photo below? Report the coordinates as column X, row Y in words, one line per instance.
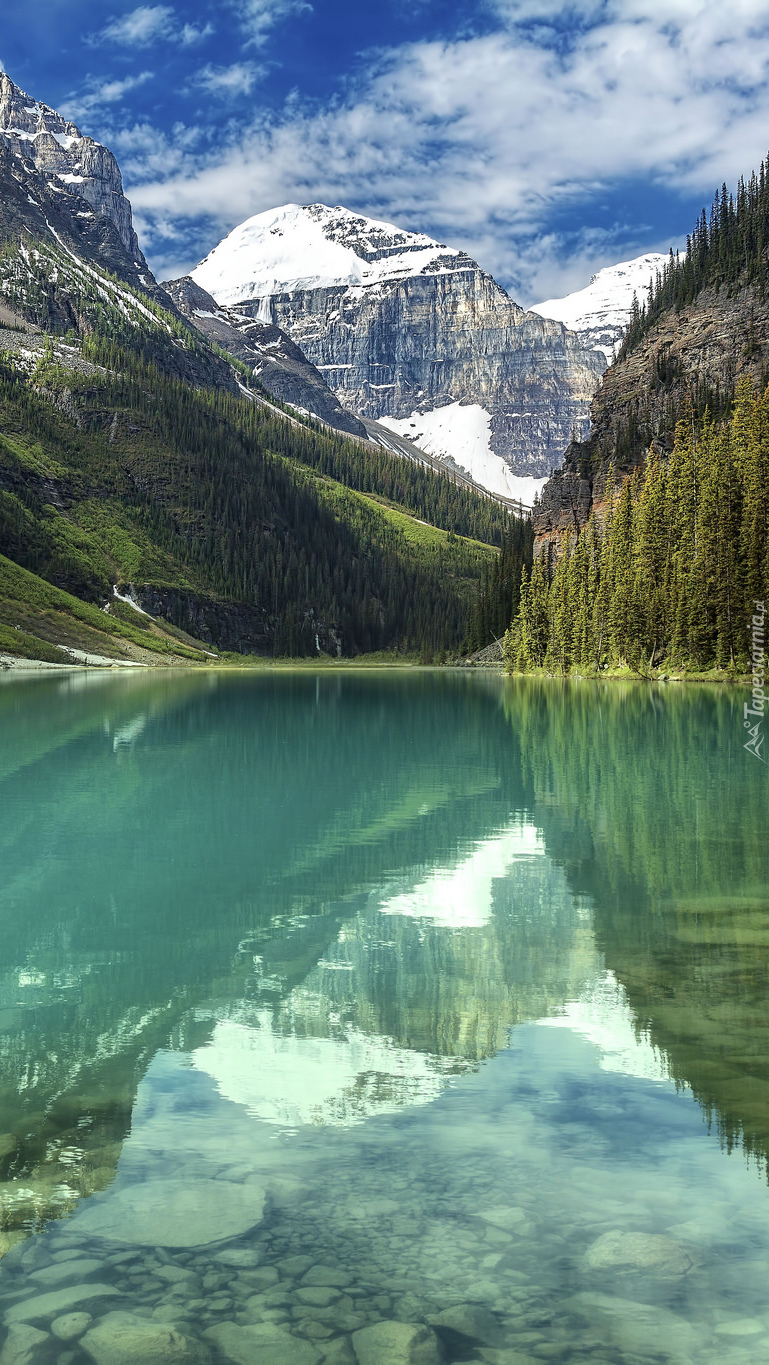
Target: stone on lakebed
column 175, row 1213
column 126, row 1339
column 658, row 1255
column 397, row 1343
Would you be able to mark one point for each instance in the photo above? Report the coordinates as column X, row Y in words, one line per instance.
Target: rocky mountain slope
column 66, row 161
column 690, row 356
column 280, row 366
column 600, row 312
column 403, row 327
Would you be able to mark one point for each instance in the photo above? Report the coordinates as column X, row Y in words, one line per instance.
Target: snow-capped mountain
column 65, row 158
column 600, row 312
column 315, row 247
column 404, row 327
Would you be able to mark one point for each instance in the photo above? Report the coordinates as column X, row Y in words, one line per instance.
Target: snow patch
column 127, row 597
column 462, row 432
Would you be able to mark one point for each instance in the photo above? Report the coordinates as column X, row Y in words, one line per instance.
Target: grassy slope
column 40, row 621
column 90, row 538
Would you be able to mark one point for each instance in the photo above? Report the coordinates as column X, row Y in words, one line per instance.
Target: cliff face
column 65, row 158
column 279, row 365
column 696, row 354
column 400, row 324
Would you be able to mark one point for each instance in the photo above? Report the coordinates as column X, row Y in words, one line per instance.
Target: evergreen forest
column 670, row 574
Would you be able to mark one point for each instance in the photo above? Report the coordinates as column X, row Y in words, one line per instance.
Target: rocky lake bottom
column 298, row 1066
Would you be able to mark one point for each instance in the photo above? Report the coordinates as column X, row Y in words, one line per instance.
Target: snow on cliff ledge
column 315, row 247
column 600, row 313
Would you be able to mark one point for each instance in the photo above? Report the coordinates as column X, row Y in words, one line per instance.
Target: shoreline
column 19, row 666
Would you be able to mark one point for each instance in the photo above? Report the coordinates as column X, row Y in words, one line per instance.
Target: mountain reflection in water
column 336, row 895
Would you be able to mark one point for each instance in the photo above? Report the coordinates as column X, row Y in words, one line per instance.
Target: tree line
column 728, row 246
column 670, row 571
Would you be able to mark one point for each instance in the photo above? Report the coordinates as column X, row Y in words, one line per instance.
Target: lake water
column 381, row 1018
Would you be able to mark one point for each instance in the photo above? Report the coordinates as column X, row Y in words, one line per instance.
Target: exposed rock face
column 705, row 348
column 60, row 152
column 279, row 365
column 398, row 323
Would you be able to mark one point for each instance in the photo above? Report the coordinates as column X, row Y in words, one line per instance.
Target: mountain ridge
column 600, row 312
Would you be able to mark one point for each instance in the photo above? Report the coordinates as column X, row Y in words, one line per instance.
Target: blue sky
column 548, row 139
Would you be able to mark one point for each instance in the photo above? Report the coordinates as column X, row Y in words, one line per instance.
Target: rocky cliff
column 65, row 158
column 695, row 355
column 401, row 325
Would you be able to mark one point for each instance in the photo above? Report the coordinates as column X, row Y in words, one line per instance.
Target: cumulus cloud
column 228, row 81
column 148, row 24
column 485, row 141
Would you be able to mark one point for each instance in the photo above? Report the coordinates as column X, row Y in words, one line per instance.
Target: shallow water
column 381, row 1017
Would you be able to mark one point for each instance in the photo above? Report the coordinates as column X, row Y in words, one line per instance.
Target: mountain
column 155, row 505
column 652, row 542
column 409, row 330
column 688, row 356
column 66, row 163
column 600, row 312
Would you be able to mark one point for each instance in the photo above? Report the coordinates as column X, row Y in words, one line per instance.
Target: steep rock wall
column 394, row 348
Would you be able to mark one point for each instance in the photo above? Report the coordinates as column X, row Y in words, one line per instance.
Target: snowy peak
column 313, row 246
column 600, row 312
column 59, row 151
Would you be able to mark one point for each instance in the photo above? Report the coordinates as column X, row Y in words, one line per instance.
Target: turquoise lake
column 380, row 1018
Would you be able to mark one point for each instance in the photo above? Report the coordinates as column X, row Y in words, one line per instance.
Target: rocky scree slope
column 400, row 324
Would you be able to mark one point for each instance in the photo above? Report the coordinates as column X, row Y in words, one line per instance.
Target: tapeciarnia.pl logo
column 758, row 697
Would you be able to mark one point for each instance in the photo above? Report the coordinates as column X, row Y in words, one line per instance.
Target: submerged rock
column 641, row 1251
column 70, row 1325
column 23, row 1345
column 59, row 1301
column 79, row 1268
column 176, row 1213
column 468, row 1322
column 397, row 1343
column 263, row 1342
column 639, row 1328
column 125, row 1339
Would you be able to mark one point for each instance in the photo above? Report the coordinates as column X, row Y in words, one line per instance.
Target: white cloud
column 98, row 93
column 148, row 24
column 482, row 141
column 140, row 28
column 237, row 79
column 189, row 34
column 257, row 17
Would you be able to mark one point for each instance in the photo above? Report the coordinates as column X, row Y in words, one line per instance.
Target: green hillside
column 241, row 528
